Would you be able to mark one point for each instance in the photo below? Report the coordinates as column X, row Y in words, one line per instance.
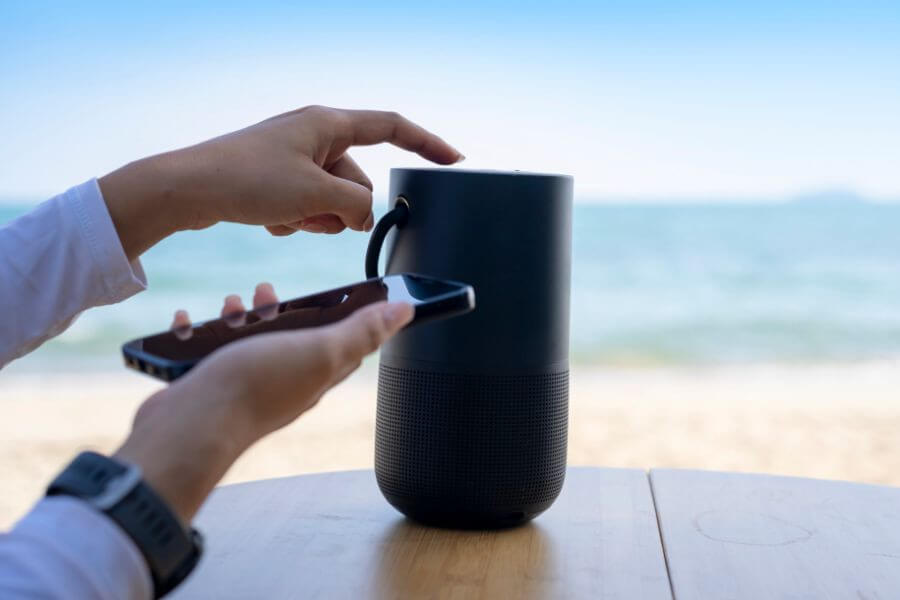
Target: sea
column 652, row 284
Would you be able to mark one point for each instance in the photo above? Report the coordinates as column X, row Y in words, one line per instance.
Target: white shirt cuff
column 121, row 278
column 64, row 548
column 56, row 261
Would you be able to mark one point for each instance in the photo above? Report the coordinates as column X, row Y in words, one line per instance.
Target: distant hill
column 820, row 197
column 834, row 197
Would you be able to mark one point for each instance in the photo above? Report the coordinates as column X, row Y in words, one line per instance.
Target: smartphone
column 171, row 354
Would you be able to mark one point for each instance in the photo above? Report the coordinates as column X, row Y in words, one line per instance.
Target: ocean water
column 651, row 284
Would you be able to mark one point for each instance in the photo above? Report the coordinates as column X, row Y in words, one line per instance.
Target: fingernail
column 237, row 319
column 461, row 158
column 395, row 313
column 268, row 313
column 313, row 227
column 370, row 223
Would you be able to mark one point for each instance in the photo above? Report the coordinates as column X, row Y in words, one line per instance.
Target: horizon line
column 823, row 196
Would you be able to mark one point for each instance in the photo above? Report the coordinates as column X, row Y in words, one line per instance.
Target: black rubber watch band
column 171, row 551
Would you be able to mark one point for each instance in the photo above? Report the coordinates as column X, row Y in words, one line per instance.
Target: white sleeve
column 56, row 261
column 64, row 548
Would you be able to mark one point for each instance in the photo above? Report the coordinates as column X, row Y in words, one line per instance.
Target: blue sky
column 642, row 99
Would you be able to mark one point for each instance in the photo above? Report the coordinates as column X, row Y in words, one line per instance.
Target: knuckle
column 340, row 117
column 365, row 201
column 312, row 109
column 341, row 124
column 374, row 333
column 420, row 144
column 353, row 365
column 334, row 356
column 326, row 115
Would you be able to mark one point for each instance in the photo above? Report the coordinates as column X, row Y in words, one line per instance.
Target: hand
column 287, row 173
column 186, row 436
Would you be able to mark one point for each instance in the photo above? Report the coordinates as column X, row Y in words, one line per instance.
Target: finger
column 264, row 295
column 181, row 319
column 280, row 230
column 181, row 325
column 348, row 200
column 347, row 168
column 265, row 302
column 326, row 223
column 374, row 127
column 365, row 330
column 233, row 311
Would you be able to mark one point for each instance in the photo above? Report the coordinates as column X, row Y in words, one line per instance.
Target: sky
column 662, row 100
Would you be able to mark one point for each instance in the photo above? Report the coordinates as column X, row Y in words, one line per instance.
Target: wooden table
column 613, row 533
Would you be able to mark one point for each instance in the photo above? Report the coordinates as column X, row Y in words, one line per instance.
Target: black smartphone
column 171, row 354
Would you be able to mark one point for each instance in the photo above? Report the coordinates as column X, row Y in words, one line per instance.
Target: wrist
column 184, row 446
column 142, row 201
column 116, row 489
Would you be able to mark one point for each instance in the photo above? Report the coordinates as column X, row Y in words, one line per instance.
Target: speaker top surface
column 476, row 172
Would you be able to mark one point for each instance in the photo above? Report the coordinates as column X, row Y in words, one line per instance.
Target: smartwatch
column 118, row 490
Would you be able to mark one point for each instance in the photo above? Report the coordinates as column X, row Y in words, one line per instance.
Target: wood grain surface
column 735, row 536
column 332, row 535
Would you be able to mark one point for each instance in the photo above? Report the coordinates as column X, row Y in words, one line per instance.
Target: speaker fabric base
column 471, row 450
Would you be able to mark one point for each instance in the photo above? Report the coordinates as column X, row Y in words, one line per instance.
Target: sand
column 826, row 421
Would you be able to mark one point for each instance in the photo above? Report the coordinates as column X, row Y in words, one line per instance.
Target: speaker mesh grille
column 473, row 442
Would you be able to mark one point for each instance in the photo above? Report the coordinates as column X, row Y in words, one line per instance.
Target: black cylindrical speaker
column 472, row 415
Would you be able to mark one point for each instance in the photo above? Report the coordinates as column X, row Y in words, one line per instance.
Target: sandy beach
column 827, row 421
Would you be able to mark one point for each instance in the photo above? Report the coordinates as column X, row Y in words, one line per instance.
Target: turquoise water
column 667, row 284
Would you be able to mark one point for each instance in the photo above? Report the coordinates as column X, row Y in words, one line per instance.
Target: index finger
column 375, row 126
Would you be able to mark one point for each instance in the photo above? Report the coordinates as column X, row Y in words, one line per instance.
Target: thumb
column 365, row 330
column 348, row 200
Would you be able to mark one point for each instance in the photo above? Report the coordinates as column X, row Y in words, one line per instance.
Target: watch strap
column 171, row 551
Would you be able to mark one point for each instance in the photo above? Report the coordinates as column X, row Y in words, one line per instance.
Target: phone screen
column 194, row 343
